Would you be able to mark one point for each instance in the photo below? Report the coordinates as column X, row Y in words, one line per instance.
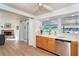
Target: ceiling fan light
column 40, row 4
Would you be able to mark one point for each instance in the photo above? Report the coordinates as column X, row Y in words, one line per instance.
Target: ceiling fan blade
column 47, row 7
column 36, row 10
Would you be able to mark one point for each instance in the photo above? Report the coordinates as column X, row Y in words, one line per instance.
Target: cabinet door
column 44, row 43
column 38, row 41
column 41, row 42
column 74, row 48
column 51, row 44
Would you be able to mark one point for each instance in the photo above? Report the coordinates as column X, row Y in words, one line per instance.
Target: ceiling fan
column 42, row 5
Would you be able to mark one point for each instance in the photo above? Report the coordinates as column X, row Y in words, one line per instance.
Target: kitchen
column 65, row 40
column 60, row 34
column 53, row 30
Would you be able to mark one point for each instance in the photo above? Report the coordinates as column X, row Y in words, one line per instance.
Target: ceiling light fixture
column 40, row 4
column 73, row 15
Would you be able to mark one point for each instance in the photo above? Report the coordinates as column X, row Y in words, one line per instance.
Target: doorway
column 24, row 31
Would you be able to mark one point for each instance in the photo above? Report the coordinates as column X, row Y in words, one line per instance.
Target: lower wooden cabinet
column 51, row 45
column 74, row 48
column 46, row 43
column 38, row 41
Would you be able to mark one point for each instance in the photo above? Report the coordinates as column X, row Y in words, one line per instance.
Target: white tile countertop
column 58, row 37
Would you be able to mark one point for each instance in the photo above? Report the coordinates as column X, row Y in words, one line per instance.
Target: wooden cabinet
column 45, row 43
column 41, row 42
column 38, row 41
column 74, row 48
column 51, row 44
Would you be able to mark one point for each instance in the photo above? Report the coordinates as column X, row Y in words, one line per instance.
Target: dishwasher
column 63, row 48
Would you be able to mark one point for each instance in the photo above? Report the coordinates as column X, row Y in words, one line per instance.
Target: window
column 70, row 24
column 49, row 26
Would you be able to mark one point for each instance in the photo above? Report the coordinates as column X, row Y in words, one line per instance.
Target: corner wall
column 34, row 26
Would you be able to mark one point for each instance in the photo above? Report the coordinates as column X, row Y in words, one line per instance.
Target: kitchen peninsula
column 57, row 45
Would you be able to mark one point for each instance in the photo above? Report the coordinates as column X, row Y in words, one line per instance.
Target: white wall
column 21, row 31
column 34, row 29
column 31, row 33
column 6, row 17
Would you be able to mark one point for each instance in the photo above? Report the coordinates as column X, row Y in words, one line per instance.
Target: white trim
column 66, row 10
column 10, row 9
